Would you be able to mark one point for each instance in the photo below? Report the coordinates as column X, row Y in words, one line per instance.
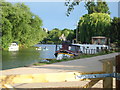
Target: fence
column 106, row 75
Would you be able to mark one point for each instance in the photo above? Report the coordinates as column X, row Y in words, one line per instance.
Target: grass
column 68, row 59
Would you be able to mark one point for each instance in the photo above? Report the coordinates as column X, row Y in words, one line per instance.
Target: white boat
column 39, row 48
column 63, row 56
column 13, row 47
column 92, row 48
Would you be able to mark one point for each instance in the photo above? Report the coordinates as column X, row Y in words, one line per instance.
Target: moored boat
column 67, row 51
column 13, row 47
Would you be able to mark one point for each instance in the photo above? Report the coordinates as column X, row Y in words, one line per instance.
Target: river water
column 28, row 56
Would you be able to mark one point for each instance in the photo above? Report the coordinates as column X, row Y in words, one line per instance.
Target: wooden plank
column 43, row 77
column 8, row 86
column 117, row 71
column 90, row 84
column 108, row 68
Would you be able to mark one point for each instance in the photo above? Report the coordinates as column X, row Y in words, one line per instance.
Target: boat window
column 87, row 47
column 72, row 48
column 97, row 47
column 105, row 47
column 69, row 47
column 101, row 48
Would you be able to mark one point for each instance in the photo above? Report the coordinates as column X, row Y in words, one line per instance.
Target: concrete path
column 79, row 65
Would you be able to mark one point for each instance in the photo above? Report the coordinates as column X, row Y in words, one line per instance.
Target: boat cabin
column 91, row 48
column 68, row 49
column 13, row 47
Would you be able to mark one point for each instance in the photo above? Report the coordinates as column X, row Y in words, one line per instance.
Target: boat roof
column 74, row 45
column 89, row 45
column 98, row 37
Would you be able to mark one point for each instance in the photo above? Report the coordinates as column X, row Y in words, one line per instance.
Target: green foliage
column 69, row 34
column 98, row 7
column 93, row 7
column 96, row 24
column 54, row 35
column 115, row 31
column 19, row 24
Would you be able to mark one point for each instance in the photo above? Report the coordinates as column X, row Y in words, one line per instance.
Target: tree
column 115, row 31
column 98, row 7
column 69, row 34
column 96, row 24
column 92, row 6
column 53, row 36
column 20, row 25
column 6, row 26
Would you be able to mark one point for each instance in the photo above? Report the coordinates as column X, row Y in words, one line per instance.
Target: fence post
column 108, row 68
column 117, row 71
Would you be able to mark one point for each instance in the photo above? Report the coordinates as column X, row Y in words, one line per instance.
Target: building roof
column 98, row 37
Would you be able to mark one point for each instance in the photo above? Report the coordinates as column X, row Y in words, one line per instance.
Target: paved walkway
column 79, row 65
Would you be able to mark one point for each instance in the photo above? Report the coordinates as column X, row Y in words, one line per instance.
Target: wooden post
column 56, row 48
column 117, row 71
column 108, row 81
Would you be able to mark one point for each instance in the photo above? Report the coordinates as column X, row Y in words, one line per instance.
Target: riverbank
column 50, row 61
column 79, row 65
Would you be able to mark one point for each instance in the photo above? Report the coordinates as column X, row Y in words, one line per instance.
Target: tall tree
column 98, row 7
column 19, row 24
column 6, row 26
column 54, row 35
column 115, row 31
column 93, row 7
column 69, row 34
column 96, row 24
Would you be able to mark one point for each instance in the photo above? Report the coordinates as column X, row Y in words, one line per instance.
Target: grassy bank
column 68, row 59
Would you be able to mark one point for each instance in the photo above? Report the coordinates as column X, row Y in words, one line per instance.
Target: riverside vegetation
column 20, row 25
column 73, row 58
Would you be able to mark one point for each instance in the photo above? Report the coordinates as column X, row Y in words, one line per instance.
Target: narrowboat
column 67, row 51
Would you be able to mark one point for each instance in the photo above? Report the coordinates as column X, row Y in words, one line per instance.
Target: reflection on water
column 19, row 58
column 49, row 53
column 25, row 57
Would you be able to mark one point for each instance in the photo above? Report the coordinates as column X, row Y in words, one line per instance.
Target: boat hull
column 64, row 55
column 13, row 47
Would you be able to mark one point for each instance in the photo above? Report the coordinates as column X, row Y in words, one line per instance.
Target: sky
column 53, row 14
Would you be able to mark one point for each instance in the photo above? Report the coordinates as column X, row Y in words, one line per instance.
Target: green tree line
column 55, row 34
column 20, row 25
column 98, row 23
